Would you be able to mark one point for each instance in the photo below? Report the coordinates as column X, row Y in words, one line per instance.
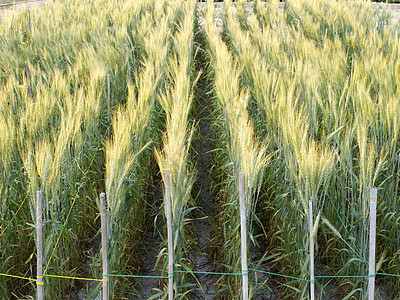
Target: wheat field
column 99, row 96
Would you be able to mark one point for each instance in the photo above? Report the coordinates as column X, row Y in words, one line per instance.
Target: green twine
column 345, row 228
column 386, row 274
column 281, row 275
column 346, row 276
column 254, row 270
column 137, row 276
column 211, row 273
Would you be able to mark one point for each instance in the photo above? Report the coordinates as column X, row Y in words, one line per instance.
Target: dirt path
column 150, row 246
column 202, row 256
column 203, row 225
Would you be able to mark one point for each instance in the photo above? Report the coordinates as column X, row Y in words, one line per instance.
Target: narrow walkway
column 203, row 224
column 150, row 246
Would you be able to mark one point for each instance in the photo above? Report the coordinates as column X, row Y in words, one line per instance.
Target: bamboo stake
column 311, row 226
column 352, row 68
column 39, row 246
column 170, row 239
column 103, row 216
column 29, row 21
column 108, row 102
column 243, row 233
column 128, row 67
column 372, row 243
column 28, row 77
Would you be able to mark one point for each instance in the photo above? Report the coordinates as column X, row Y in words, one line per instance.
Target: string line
column 194, row 272
column 19, row 277
column 65, row 223
column 12, row 219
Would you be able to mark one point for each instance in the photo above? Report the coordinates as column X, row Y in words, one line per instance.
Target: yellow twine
column 59, row 236
column 58, row 240
column 15, row 276
column 26, row 197
column 65, row 222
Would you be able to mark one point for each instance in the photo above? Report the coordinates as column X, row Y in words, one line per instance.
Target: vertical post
column 104, row 251
column 372, row 243
column 108, row 102
column 243, row 234
column 311, row 226
column 108, row 97
column 28, row 77
column 128, row 67
column 170, row 239
column 29, row 21
column 39, row 246
column 352, row 68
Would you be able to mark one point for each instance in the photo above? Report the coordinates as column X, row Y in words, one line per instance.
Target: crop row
column 100, row 96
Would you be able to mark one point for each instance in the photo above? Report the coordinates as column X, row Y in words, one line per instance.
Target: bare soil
column 203, row 258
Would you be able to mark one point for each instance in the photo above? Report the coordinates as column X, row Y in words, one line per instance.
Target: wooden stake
column 108, row 102
column 243, row 234
column 128, row 67
column 29, row 22
column 170, row 238
column 372, row 243
column 28, row 77
column 352, row 68
column 103, row 216
column 311, row 226
column 39, row 246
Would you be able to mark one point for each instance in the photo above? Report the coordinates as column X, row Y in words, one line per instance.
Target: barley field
column 300, row 100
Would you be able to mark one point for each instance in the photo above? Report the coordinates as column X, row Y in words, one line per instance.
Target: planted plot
column 173, row 156
column 303, row 109
column 135, row 129
column 323, row 98
column 85, row 75
column 240, row 152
